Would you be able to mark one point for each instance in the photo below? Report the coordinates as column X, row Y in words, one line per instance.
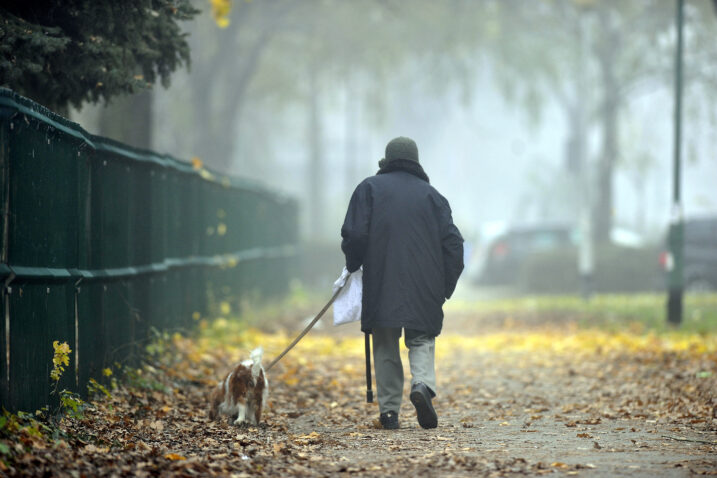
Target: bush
column 320, row 264
column 617, row 269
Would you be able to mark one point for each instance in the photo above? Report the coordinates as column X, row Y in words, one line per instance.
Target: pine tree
column 68, row 52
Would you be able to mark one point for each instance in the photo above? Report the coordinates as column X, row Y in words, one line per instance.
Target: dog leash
column 305, row 331
column 367, row 343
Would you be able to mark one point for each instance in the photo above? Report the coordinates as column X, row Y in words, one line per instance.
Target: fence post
column 5, row 272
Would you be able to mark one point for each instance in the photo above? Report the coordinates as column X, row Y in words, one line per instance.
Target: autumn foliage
column 514, row 399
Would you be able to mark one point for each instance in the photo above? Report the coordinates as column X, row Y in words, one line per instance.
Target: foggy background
column 516, row 107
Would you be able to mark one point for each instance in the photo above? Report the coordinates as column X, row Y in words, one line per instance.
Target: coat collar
column 406, row 165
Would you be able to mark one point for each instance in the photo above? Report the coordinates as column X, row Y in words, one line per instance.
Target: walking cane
column 367, row 338
column 369, row 392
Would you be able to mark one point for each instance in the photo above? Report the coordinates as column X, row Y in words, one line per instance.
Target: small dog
column 242, row 393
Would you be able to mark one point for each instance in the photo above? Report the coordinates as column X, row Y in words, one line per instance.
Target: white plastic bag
column 347, row 306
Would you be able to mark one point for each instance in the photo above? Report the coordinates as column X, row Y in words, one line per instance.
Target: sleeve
column 354, row 232
column 452, row 247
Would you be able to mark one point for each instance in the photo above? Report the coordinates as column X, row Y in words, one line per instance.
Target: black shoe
column 421, row 399
column 389, row 420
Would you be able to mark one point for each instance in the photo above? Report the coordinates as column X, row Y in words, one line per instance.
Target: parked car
column 700, row 255
column 506, row 253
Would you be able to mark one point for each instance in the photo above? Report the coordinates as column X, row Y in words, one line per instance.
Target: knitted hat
column 401, row 148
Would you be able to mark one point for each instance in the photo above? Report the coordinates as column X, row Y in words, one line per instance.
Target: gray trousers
column 389, row 369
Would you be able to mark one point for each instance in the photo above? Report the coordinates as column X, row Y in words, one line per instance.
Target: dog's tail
column 256, row 356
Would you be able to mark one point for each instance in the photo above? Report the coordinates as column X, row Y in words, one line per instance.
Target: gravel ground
column 510, row 403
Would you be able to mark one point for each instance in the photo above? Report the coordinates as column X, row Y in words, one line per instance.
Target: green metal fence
column 101, row 243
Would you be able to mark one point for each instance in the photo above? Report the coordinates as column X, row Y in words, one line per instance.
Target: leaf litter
column 511, row 403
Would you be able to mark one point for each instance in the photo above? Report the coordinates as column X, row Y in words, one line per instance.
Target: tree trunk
column 129, row 119
column 352, row 109
column 604, row 206
column 222, row 78
column 608, row 47
column 316, row 167
column 215, row 141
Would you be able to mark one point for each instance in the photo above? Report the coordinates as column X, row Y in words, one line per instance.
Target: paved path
column 511, row 403
column 518, row 412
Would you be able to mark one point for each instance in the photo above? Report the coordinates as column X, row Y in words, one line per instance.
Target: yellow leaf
column 225, row 308
column 174, row 457
column 107, row 372
column 311, row 438
column 291, row 381
column 61, row 348
column 95, row 449
column 197, row 163
column 220, row 11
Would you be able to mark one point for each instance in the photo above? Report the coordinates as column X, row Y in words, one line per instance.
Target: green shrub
column 617, row 269
column 320, row 263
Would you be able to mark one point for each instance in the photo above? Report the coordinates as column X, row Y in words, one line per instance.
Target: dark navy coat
column 401, row 230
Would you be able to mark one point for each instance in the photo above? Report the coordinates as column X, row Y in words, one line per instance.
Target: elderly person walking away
column 400, row 229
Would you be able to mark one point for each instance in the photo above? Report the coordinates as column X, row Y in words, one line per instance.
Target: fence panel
column 101, row 243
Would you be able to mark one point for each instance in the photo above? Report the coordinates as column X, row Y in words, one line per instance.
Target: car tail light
column 666, row 260
column 500, row 250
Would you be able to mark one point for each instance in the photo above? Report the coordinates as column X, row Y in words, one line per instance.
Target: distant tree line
column 587, row 56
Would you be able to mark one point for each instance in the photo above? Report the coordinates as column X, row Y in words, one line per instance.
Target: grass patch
column 613, row 312
column 266, row 313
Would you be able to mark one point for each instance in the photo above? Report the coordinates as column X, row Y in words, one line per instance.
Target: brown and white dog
column 242, row 393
